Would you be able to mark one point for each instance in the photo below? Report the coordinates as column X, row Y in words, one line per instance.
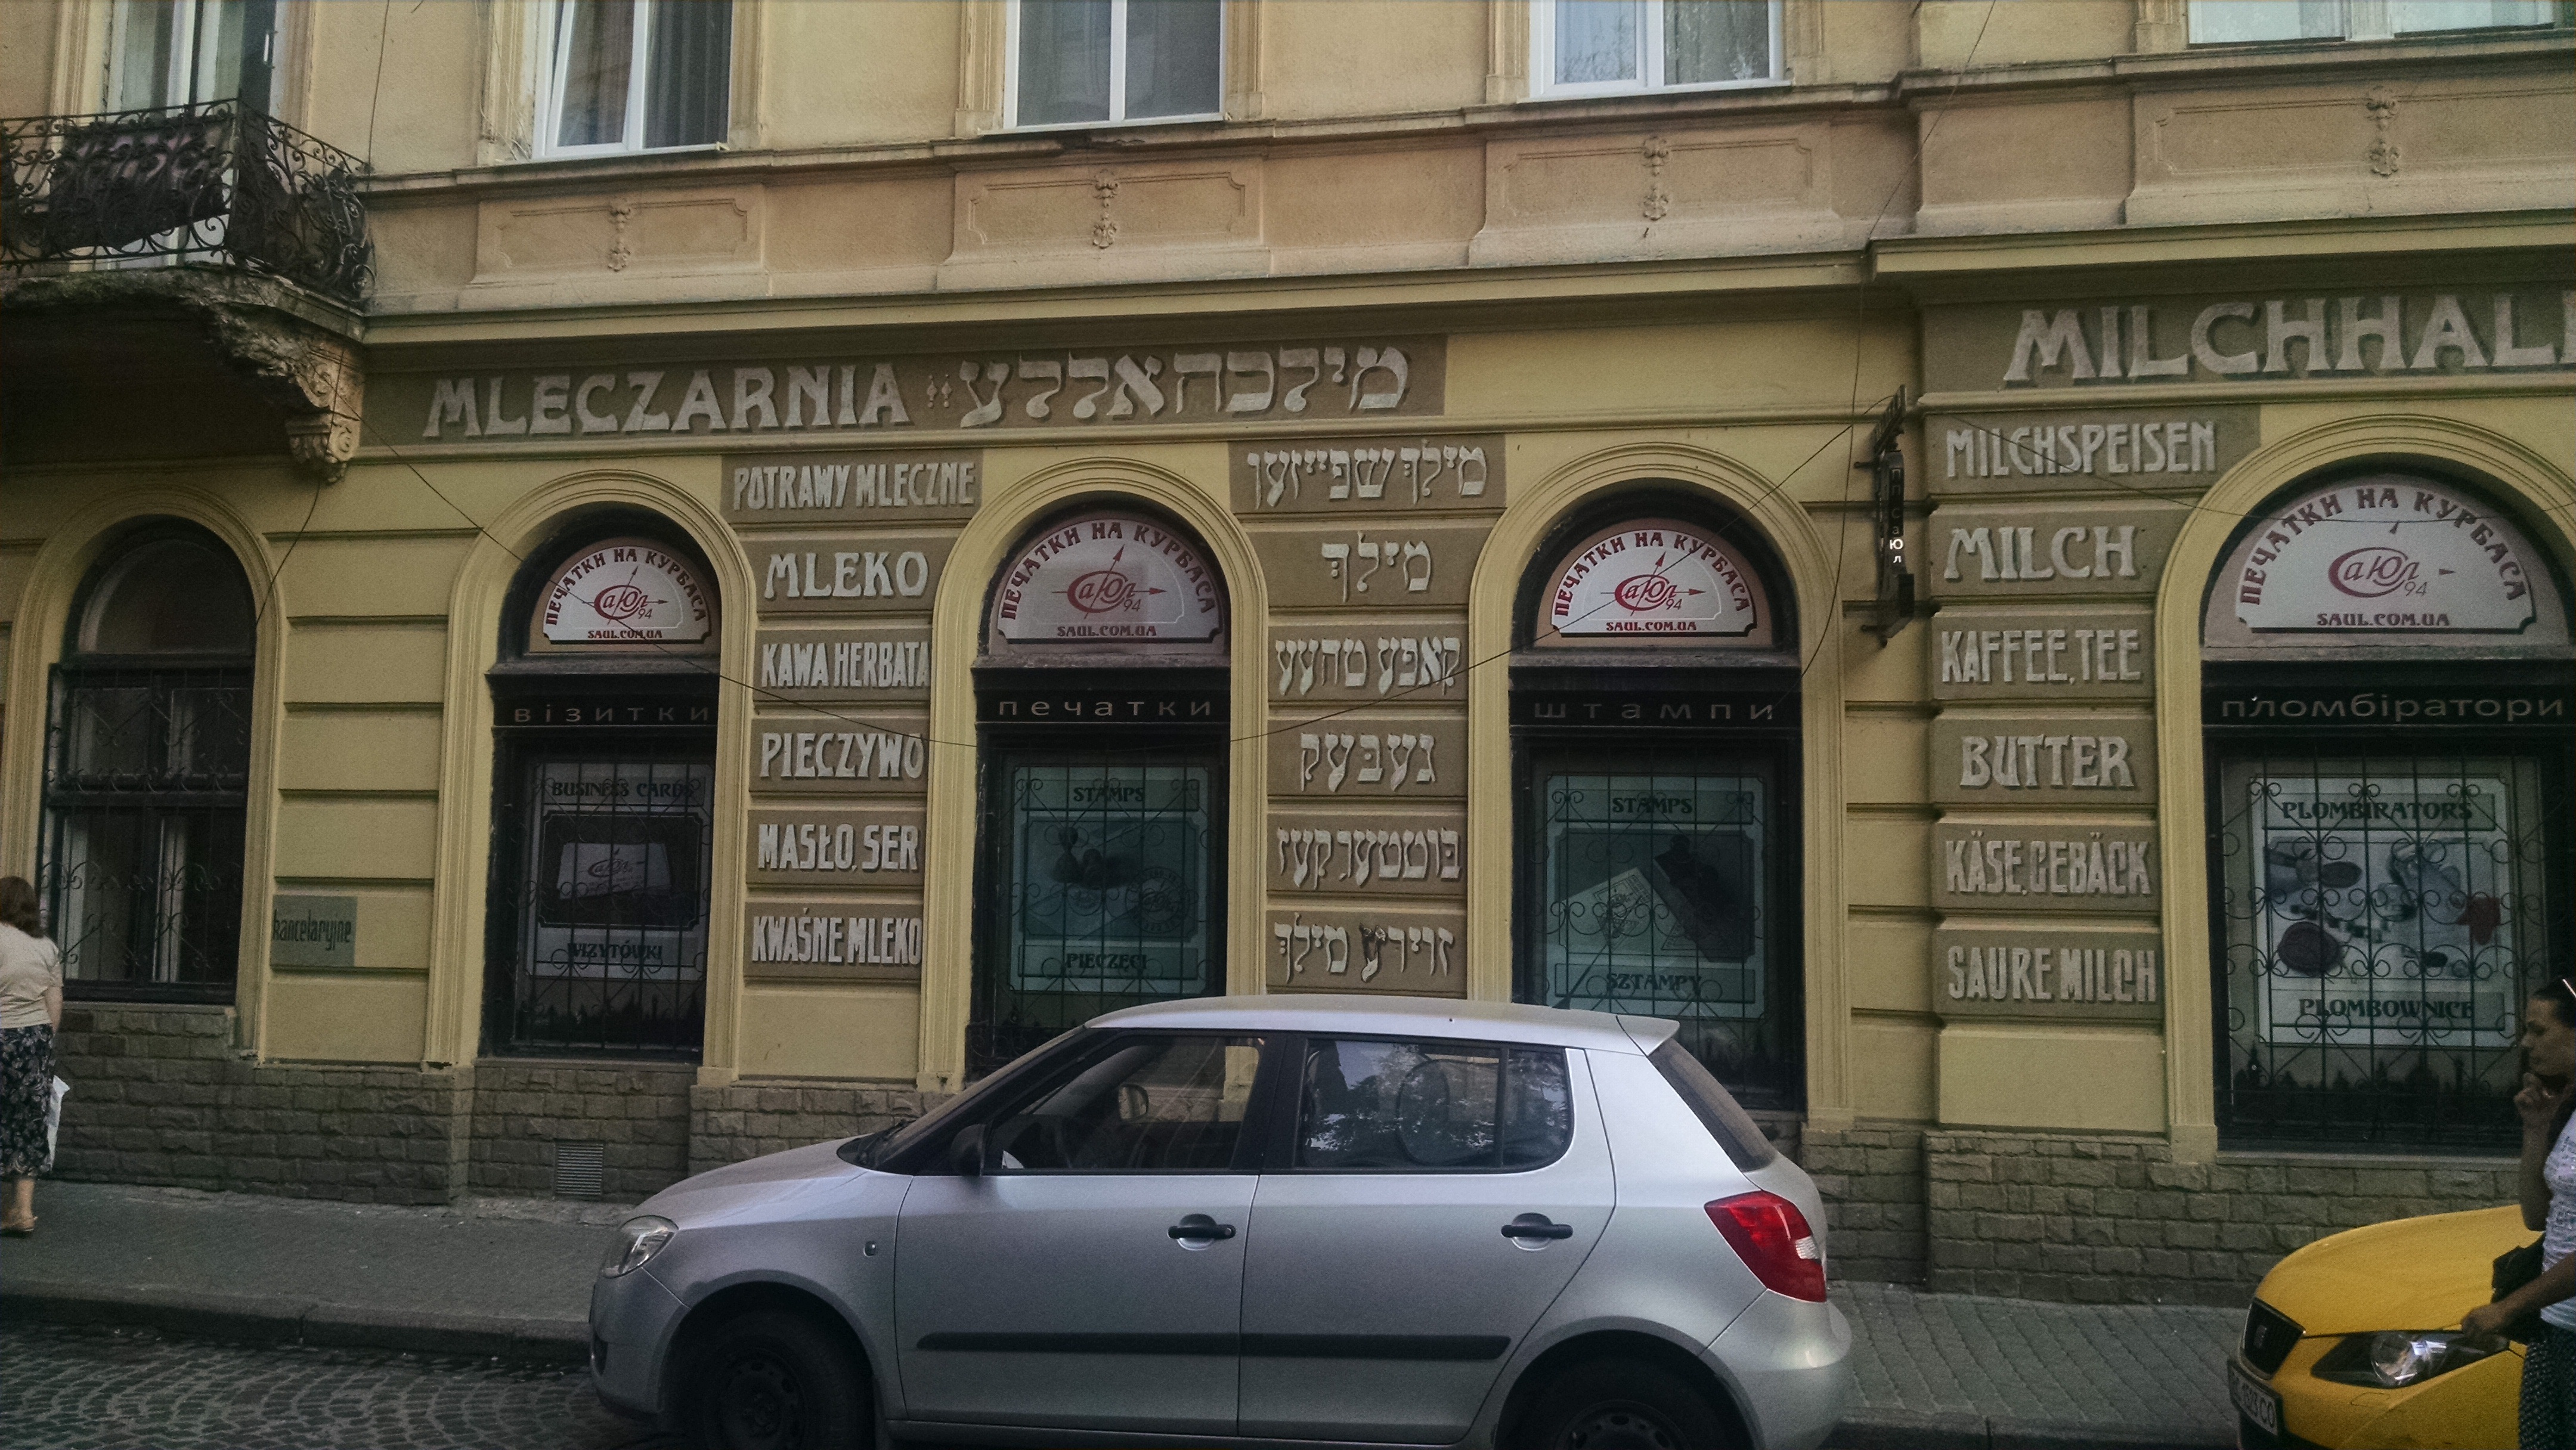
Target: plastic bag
column 54, row 1117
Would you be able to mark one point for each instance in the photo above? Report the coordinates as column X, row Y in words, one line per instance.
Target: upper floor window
column 2241, row 22
column 1611, row 47
column 178, row 52
column 639, row 75
column 1076, row 62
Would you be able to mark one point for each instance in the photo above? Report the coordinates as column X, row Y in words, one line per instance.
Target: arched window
column 603, row 786
column 147, row 770
column 2386, row 682
column 1101, row 706
column 1655, row 746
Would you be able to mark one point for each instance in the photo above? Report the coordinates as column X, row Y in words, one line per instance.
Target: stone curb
column 279, row 1319
column 1899, row 1430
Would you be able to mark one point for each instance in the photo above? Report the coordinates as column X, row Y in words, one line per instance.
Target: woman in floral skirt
column 31, row 1007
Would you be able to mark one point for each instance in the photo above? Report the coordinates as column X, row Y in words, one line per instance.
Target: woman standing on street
column 2548, row 1204
column 31, row 1007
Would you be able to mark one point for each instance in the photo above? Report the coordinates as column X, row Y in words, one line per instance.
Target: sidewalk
column 511, row 1277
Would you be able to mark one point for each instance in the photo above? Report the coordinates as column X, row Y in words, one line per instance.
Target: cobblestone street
column 133, row 1389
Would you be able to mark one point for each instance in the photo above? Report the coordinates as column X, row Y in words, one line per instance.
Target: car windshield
column 888, row 1146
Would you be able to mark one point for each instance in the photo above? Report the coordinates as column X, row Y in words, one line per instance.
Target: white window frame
column 555, row 41
column 2370, row 20
column 1117, row 76
column 191, row 75
column 1650, row 60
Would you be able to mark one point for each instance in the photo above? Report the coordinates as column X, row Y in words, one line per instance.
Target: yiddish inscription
column 1387, row 949
column 1367, row 475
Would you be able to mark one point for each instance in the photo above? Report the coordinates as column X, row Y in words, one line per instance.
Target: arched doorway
column 2386, row 686
column 603, row 784
column 1101, row 705
column 1655, row 750
column 147, row 770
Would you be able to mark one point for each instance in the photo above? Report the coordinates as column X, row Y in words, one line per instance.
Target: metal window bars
column 213, row 181
column 145, row 792
column 2381, row 915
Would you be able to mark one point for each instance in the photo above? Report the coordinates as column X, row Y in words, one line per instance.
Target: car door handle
column 1537, row 1226
column 1200, row 1226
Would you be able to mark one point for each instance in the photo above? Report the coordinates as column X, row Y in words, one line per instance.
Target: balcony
column 214, row 183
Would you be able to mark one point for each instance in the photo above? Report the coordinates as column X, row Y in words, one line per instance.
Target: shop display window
column 2385, row 698
column 1101, row 706
column 1654, row 721
column 603, row 785
column 147, row 772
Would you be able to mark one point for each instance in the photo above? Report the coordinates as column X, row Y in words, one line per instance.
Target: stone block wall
column 2101, row 1220
column 747, row 1119
column 161, row 1095
column 637, row 1112
column 1871, row 1175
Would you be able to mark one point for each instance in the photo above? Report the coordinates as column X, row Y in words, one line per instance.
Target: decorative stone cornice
column 299, row 352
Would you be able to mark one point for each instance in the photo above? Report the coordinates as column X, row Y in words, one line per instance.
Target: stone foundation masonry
column 2102, row 1220
column 1871, row 1175
column 747, row 1119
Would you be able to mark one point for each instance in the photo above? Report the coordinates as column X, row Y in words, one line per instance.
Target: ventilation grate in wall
column 577, row 1169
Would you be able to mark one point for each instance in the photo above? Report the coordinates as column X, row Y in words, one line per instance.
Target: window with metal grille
column 147, row 765
column 2383, row 907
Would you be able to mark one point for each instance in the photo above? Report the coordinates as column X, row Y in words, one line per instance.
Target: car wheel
column 776, row 1381
column 1609, row 1405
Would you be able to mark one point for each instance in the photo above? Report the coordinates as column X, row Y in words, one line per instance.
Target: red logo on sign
column 1101, row 591
column 2372, row 572
column 621, row 602
column 1640, row 592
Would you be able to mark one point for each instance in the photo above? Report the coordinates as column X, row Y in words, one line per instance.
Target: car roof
column 1373, row 1015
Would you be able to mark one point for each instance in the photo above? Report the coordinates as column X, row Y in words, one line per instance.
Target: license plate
column 2254, row 1400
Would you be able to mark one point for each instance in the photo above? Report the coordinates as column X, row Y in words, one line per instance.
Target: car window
column 1141, row 1104
column 1715, row 1107
column 1364, row 1103
column 914, row 1145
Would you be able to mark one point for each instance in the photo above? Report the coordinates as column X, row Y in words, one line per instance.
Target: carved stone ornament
column 1104, row 189
column 2382, row 105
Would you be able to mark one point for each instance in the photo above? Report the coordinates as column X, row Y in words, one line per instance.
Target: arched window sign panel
column 147, row 768
column 2388, row 562
column 624, row 593
column 1108, row 581
column 2385, row 697
column 1653, row 579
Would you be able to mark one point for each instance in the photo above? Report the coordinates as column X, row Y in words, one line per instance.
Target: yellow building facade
column 681, row 579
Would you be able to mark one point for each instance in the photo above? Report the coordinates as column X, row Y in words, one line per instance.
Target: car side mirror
column 966, row 1152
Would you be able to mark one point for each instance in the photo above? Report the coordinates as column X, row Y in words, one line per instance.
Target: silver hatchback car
column 1255, row 1221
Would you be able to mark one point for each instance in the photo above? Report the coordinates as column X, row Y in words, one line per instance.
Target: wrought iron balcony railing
column 211, row 182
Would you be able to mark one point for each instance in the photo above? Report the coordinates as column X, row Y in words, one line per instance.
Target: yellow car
column 2353, row 1340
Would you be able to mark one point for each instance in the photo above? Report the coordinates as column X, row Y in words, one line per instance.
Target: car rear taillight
column 1772, row 1237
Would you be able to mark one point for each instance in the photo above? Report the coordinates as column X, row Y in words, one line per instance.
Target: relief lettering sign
column 2027, row 452
column 1409, row 853
column 2037, row 551
column 1973, row 348
column 1411, row 950
column 1993, row 655
column 1654, row 577
column 840, row 940
column 1111, row 577
column 626, row 591
column 828, row 756
column 812, row 488
column 1308, row 381
column 2383, row 554
column 2044, row 868
column 873, row 573
column 1401, row 566
column 2021, row 760
column 844, row 664
column 1367, row 475
column 842, row 848
column 313, row 931
column 2071, row 974
column 1370, row 661
column 1370, row 757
